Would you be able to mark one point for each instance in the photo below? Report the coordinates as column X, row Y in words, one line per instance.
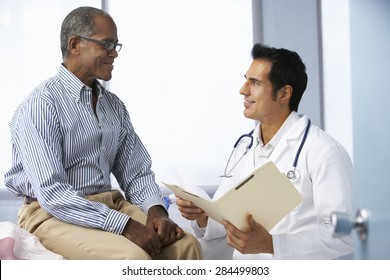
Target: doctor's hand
column 255, row 241
column 189, row 211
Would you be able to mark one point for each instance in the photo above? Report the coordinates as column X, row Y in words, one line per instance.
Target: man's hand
column 158, row 221
column 143, row 236
column 257, row 240
column 191, row 212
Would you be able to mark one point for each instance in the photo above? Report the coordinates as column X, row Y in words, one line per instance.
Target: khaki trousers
column 81, row 243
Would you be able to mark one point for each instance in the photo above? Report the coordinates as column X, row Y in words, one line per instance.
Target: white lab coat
column 325, row 170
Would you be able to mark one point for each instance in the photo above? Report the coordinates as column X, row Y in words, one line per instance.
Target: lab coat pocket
column 300, row 188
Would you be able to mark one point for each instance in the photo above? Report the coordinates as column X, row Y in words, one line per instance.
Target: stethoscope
column 293, row 174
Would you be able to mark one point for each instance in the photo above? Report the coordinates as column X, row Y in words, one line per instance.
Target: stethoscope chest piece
column 293, row 175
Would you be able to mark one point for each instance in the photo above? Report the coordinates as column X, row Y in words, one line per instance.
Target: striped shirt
column 63, row 151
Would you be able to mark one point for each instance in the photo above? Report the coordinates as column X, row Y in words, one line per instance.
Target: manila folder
column 266, row 194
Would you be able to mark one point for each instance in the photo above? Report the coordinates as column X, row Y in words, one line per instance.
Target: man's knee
column 186, row 248
column 195, row 249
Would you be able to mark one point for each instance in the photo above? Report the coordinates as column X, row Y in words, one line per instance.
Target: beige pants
column 77, row 243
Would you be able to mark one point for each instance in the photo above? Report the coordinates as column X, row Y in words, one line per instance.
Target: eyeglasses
column 108, row 46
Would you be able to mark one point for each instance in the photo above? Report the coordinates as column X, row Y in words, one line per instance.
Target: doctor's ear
column 285, row 93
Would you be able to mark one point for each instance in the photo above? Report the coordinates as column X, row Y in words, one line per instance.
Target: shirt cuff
column 153, row 201
column 115, row 222
column 198, row 231
column 277, row 248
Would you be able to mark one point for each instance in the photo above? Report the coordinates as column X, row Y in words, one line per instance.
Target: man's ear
column 74, row 45
column 285, row 94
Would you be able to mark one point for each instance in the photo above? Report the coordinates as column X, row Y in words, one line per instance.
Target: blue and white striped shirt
column 62, row 152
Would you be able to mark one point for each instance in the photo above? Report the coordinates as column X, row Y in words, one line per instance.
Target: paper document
column 266, row 194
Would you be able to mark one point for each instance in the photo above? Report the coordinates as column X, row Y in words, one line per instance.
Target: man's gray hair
column 80, row 22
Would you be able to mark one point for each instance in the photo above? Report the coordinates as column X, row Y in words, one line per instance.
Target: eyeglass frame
column 108, row 46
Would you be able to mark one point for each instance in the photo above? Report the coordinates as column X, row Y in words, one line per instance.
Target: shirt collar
column 269, row 147
column 74, row 86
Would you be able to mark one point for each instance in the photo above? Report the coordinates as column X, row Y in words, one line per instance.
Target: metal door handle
column 343, row 224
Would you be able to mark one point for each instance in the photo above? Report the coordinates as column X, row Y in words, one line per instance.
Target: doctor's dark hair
column 80, row 22
column 287, row 69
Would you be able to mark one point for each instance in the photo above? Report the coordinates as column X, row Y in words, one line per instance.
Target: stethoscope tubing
column 295, row 164
column 292, row 174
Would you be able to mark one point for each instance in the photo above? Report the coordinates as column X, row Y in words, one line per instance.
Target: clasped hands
column 158, row 232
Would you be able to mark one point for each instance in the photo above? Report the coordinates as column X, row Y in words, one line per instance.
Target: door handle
column 343, row 224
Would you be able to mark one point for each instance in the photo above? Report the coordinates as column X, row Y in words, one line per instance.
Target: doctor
column 318, row 166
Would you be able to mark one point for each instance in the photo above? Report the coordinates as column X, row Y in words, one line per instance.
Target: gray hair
column 80, row 22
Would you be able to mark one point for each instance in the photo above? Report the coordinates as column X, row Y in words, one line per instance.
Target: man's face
column 257, row 91
column 94, row 60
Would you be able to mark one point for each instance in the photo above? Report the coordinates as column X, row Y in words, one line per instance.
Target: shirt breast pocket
column 110, row 140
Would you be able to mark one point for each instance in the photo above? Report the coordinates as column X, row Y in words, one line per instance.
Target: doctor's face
column 257, row 90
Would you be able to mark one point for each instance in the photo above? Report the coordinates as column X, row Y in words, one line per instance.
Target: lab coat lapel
column 290, row 141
